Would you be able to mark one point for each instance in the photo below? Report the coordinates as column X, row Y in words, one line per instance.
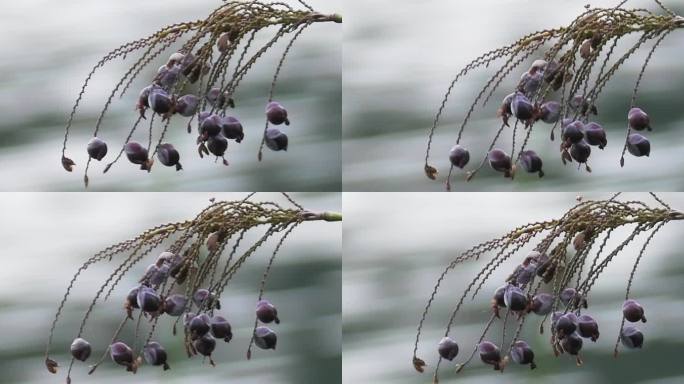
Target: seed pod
column 587, row 327
column 550, row 112
column 148, row 300
column 638, row 119
column 542, row 303
column 522, row 354
column 459, row 156
column 155, row 354
column 232, row 129
column 515, row 298
column 210, row 126
column 490, row 354
column 97, row 148
column 122, row 354
column 267, row 312
column 169, row 156
column 159, row 100
column 448, row 348
column 531, row 162
column 175, row 304
column 217, row 145
column 136, row 153
column 572, row 343
column 595, row 135
column 187, row 105
column 500, row 161
column 265, row 338
column 632, row 337
column 80, row 349
column 573, row 132
column 276, row 140
column 216, row 98
column 220, row 328
column 638, row 145
column 633, row 311
column 276, row 113
column 580, row 151
column 205, row 345
column 199, row 326
column 521, row 107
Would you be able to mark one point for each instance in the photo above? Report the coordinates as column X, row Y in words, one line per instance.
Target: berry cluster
column 196, row 82
column 552, row 281
column 185, row 281
column 557, row 89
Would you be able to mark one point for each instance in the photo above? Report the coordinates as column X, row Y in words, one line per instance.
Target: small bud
column 632, row 337
column 459, row 156
column 638, row 119
column 265, row 338
column 80, row 349
column 97, row 148
column 448, row 348
column 276, row 113
column 638, row 145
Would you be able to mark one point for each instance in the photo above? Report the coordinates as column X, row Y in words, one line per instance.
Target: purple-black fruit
column 167, row 76
column 504, row 110
column 265, row 338
column 459, row 156
column 447, row 348
column 531, row 162
column 595, row 135
column 490, row 354
column 498, row 298
column 156, row 275
column 500, row 161
column 276, row 140
column 210, row 126
column 572, row 343
column 80, row 349
column 122, row 354
column 530, row 83
column 187, row 105
column 267, row 312
column 573, row 132
column 550, row 112
column 205, row 345
column 580, row 151
column 137, row 154
column 638, row 145
column 522, row 354
column 169, row 156
column 232, row 129
column 143, row 103
column 221, row 329
column 542, row 303
column 632, row 337
column 155, row 354
column 587, row 327
column 159, row 100
column 633, row 311
column 199, row 326
column 217, row 145
column 565, row 324
column 97, row 148
column 521, row 107
column 276, row 113
column 132, row 298
column 148, row 300
column 175, row 304
column 515, row 298
column 638, row 119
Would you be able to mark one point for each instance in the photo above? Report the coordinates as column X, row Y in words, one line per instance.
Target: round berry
column 121, row 353
column 515, row 298
column 217, row 145
column 155, row 354
column 521, row 107
column 216, row 97
column 80, row 349
column 542, row 303
column 175, row 304
column 199, row 326
column 498, row 298
column 276, row 140
column 490, row 354
column 632, row 337
column 220, row 328
column 159, row 100
column 148, row 300
column 232, row 129
column 580, row 151
column 531, row 162
column 573, row 132
column 132, row 298
column 205, row 345
column 638, row 119
column 203, row 298
column 136, row 153
column 187, row 105
column 210, row 126
column 97, row 148
column 522, row 354
column 550, row 112
column 633, row 311
column 266, row 312
column 276, row 113
column 531, row 82
column 587, row 327
column 572, row 343
column 638, row 145
column 265, row 338
column 459, row 156
column 499, row 161
column 169, row 156
column 595, row 135
column 448, row 348
column 565, row 324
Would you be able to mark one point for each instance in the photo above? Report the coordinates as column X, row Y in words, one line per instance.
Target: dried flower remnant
column 562, row 87
column 200, row 80
column 185, row 281
column 552, row 282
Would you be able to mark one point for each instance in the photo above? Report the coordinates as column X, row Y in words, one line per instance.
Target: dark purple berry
column 448, row 348
column 265, row 338
column 542, row 303
column 205, row 345
column 155, row 354
column 490, row 354
column 266, row 312
column 232, row 129
column 276, row 113
column 550, row 112
column 500, row 161
column 573, row 132
column 169, row 156
column 137, row 154
column 631, row 337
column 530, row 83
column 199, row 326
column 524, row 273
column 568, row 295
column 638, row 145
column 595, row 135
column 565, row 324
column 522, row 354
column 572, row 343
column 498, row 298
column 217, row 145
column 210, row 126
column 175, row 304
column 220, row 328
column 515, row 298
column 505, row 109
column 187, row 105
column 531, row 162
column 167, row 76
column 122, row 354
column 580, row 151
column 159, row 100
column 132, row 298
column 148, row 300
column 587, row 327
column 633, row 311
column 459, row 156
column 521, row 107
column 143, row 103
column 97, row 148
column 80, row 349
column 638, row 119
column 276, row 140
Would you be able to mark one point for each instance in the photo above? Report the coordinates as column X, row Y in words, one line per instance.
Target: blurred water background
column 400, row 57
column 49, row 48
column 46, row 237
column 397, row 244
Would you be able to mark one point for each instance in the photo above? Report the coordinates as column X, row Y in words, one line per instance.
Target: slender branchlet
column 554, row 280
column 561, row 87
column 192, row 262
